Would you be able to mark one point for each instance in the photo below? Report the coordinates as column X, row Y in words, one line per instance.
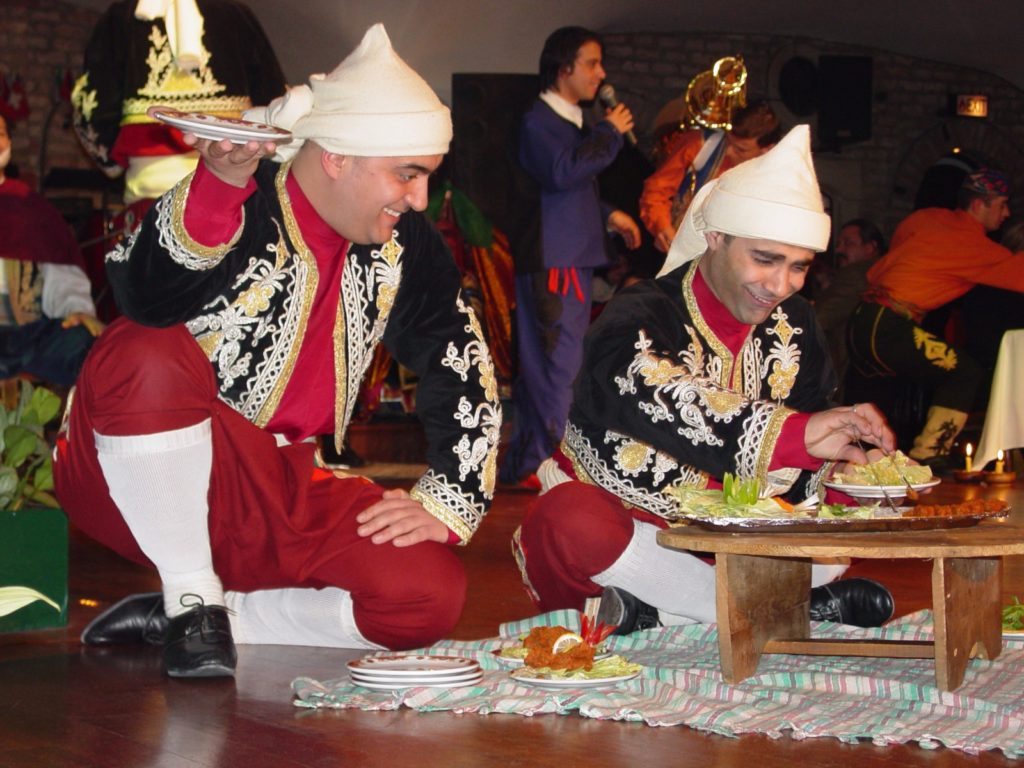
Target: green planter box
column 34, row 553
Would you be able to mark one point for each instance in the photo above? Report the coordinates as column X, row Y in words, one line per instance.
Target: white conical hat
column 372, row 105
column 771, row 197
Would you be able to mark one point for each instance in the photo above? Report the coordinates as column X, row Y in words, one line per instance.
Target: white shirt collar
column 571, row 112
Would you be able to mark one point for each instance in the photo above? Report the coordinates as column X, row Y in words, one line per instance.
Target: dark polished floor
column 65, row 705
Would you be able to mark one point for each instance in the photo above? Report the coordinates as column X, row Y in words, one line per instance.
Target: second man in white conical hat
column 716, row 367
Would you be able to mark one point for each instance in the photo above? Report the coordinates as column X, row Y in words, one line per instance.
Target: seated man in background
column 700, row 156
column 47, row 316
column 936, row 256
column 717, row 367
column 859, row 245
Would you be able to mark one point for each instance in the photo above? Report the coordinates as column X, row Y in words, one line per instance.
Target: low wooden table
column 763, row 584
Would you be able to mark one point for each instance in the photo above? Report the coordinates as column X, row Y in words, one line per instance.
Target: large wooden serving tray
column 884, row 522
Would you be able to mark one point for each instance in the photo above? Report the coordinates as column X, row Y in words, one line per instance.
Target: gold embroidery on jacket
column 481, row 454
column 197, row 91
column 784, row 357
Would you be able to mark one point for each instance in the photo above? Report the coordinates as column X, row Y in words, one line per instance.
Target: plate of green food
column 738, row 507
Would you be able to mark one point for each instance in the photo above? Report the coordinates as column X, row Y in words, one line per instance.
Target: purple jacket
column 565, row 161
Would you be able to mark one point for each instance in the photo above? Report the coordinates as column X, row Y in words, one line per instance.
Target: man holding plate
column 255, row 294
column 715, row 367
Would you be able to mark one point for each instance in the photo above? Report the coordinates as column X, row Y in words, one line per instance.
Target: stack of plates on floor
column 386, row 673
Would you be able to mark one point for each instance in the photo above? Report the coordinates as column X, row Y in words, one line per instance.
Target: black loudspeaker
column 844, row 111
column 486, row 111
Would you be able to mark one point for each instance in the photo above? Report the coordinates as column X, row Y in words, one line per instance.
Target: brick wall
column 39, row 39
column 911, row 123
column 911, row 127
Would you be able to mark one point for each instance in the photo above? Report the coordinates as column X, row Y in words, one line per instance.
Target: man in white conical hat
column 716, row 367
column 255, row 294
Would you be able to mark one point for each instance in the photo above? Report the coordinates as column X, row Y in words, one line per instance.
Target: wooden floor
column 65, row 705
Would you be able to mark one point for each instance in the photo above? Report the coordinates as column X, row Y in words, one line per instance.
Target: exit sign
column 972, row 105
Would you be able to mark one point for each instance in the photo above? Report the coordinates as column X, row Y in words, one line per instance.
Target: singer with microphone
column 556, row 261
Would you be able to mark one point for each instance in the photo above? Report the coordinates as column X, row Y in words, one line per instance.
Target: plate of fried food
column 558, row 658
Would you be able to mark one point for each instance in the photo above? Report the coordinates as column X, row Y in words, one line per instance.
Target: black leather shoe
column 199, row 644
column 860, row 602
column 135, row 619
column 626, row 612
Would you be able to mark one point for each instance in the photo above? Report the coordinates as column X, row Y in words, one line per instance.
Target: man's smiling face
column 369, row 194
column 752, row 277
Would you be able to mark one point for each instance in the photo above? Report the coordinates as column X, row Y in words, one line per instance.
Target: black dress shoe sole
column 205, row 670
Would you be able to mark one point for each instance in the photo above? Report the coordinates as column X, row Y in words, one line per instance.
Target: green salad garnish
column 1013, row 615
column 738, row 498
column 613, row 666
column 839, row 511
column 740, row 492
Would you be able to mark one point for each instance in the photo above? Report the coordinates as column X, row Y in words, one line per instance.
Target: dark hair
column 560, row 51
column 757, row 120
column 869, row 233
column 965, row 196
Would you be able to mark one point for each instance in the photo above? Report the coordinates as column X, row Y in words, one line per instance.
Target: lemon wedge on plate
column 565, row 642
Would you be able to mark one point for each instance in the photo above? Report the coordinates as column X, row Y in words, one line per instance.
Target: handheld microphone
column 607, row 96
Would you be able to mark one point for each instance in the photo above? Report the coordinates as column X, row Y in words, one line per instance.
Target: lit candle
column 999, row 460
column 967, row 457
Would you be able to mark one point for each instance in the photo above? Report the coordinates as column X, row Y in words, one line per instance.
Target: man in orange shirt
column 937, row 255
column 700, row 156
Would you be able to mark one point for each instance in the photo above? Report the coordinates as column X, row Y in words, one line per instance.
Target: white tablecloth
column 1004, row 421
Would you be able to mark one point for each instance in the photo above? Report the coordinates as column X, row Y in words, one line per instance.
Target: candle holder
column 968, row 475
column 1000, row 477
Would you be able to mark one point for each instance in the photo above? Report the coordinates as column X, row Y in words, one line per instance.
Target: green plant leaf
column 44, row 499
column 43, row 477
column 13, row 598
column 20, row 444
column 42, row 407
column 8, row 486
column 26, row 463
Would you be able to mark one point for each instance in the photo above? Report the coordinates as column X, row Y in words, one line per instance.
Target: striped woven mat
column 888, row 701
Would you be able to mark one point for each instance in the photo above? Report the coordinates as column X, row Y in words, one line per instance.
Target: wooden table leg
column 758, row 599
column 966, row 594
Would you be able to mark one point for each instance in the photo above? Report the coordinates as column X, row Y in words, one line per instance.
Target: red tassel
column 576, row 284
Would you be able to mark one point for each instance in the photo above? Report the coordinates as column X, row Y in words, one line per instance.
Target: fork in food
column 912, row 495
column 878, row 480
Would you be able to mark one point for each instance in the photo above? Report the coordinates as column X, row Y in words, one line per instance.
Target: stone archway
column 978, row 139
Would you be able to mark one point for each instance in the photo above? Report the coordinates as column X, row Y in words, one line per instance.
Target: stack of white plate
column 386, row 673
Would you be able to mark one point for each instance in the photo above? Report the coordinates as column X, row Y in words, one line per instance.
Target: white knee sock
column 160, row 484
column 679, row 585
column 317, row 617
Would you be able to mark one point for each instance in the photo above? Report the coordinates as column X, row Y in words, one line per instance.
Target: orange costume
column 662, row 186
column 937, row 255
